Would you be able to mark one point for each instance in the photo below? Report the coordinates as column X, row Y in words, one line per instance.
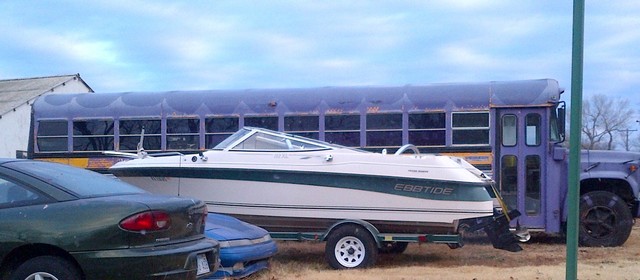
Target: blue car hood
column 223, row 228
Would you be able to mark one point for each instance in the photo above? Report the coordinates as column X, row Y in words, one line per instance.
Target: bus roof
column 433, row 97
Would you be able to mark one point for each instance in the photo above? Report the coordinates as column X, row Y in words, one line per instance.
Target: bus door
column 519, row 164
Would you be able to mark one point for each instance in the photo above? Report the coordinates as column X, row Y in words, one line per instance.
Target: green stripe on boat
column 418, row 188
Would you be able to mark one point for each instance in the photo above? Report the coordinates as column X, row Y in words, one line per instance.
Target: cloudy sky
column 145, row 45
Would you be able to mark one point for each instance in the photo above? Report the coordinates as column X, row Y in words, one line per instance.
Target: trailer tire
column 605, row 220
column 351, row 246
column 393, row 247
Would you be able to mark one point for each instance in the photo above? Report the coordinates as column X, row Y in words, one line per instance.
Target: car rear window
column 81, row 182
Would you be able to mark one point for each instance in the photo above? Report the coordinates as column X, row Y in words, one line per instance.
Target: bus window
column 264, row 122
column 219, row 128
column 532, row 133
column 93, row 135
column 349, row 139
column 52, row 136
column 427, row 129
column 182, row 134
column 509, row 130
column 306, row 126
column 384, row 130
column 532, row 195
column 130, row 131
column 342, row 129
column 509, row 180
column 470, row 128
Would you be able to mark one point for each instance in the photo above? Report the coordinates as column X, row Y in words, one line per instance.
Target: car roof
column 4, row 160
column 69, row 178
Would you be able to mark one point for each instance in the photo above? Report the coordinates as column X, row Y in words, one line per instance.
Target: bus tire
column 351, row 246
column 393, row 247
column 605, row 220
column 46, row 267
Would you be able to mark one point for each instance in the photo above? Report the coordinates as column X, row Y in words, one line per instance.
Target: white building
column 16, row 97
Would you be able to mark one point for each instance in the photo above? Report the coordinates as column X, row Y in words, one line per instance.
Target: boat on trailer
column 291, row 184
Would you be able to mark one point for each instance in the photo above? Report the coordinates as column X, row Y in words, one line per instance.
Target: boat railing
column 166, row 154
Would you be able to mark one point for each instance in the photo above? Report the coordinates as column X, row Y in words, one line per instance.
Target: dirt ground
column 542, row 258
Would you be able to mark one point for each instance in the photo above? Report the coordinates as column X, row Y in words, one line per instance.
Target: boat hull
column 311, row 202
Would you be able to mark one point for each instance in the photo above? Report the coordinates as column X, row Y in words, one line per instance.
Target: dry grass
column 542, row 258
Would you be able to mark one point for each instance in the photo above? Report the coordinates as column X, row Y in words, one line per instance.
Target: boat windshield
column 232, row 139
column 272, row 142
column 267, row 140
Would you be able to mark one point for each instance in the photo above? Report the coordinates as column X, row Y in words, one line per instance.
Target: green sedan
column 66, row 223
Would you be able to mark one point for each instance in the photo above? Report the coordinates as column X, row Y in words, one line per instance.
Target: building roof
column 15, row 92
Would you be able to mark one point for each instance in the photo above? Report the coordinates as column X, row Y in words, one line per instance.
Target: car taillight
column 147, row 221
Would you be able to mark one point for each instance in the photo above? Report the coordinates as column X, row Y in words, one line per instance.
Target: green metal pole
column 574, row 143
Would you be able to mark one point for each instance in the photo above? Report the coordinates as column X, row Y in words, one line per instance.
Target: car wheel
column 351, row 246
column 46, row 268
column 605, row 220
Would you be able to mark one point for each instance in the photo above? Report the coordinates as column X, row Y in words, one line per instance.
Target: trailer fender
column 368, row 226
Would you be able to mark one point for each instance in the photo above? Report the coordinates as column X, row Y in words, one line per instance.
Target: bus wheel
column 605, row 220
column 350, row 246
column 393, row 247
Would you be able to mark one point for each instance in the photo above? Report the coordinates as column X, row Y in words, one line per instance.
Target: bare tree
column 635, row 141
column 603, row 118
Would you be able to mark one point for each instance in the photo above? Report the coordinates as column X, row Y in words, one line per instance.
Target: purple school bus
column 512, row 130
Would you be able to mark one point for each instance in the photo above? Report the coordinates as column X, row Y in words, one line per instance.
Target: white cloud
column 160, row 45
column 461, row 56
column 281, row 46
column 466, row 5
column 65, row 46
column 338, row 64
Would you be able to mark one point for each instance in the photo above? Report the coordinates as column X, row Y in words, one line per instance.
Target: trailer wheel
column 350, row 246
column 605, row 220
column 393, row 247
